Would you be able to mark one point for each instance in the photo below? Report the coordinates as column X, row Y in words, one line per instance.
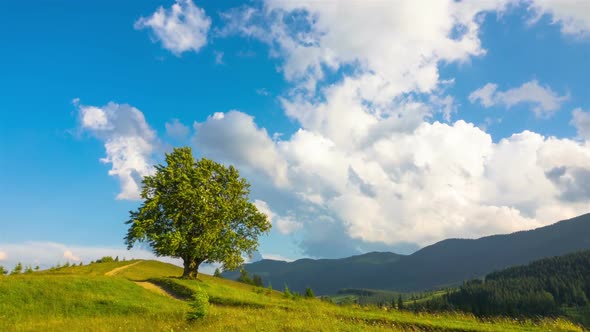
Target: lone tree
column 197, row 211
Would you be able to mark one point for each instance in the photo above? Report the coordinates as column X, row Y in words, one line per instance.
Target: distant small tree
column 37, row 268
column 257, row 280
column 3, row 271
column 105, row 259
column 287, row 292
column 244, row 277
column 18, row 269
column 217, row 273
column 117, row 259
column 80, row 264
column 309, row 293
column 400, row 303
column 28, row 269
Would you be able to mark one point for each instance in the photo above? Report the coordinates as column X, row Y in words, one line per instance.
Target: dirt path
column 154, row 288
column 119, row 269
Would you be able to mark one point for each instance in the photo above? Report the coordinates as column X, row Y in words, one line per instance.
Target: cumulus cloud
column 181, row 28
column 581, row 120
column 177, row 129
column 368, row 165
column 233, row 136
column 128, row 140
column 572, row 15
column 284, row 224
column 544, row 100
column 69, row 256
column 395, row 46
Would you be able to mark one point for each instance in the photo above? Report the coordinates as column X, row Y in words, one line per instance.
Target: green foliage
column 18, row 269
column 287, row 293
column 542, row 288
column 309, row 293
column 28, row 269
column 199, row 305
column 217, row 273
column 244, row 277
column 37, row 268
column 198, row 211
column 400, row 303
column 3, row 271
column 105, row 259
column 257, row 280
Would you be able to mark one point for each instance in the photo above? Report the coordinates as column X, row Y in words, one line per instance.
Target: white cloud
column 233, row 136
column 69, row 256
column 367, row 160
column 177, row 129
column 544, row 100
column 395, row 46
column 284, row 224
column 581, row 120
column 128, row 140
column 572, row 15
column 181, row 28
column 288, row 225
column 3, row 255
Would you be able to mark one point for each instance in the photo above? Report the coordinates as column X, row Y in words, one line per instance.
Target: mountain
column 548, row 287
column 446, row 263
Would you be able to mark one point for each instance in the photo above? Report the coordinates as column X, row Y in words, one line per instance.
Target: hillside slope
column 445, row 263
column 91, row 298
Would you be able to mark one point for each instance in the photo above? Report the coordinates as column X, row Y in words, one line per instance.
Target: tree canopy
column 197, row 210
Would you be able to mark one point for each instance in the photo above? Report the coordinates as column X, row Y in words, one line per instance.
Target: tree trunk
column 191, row 269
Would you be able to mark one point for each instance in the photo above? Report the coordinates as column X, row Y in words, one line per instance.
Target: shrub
column 18, row 269
column 287, row 293
column 28, row 269
column 199, row 305
column 105, row 259
column 309, row 293
column 257, row 280
column 217, row 273
column 3, row 271
column 244, row 277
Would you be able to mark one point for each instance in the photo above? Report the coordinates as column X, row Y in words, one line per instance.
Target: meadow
column 149, row 296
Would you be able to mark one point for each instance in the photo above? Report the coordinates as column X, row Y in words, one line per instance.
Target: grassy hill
column 443, row 264
column 149, row 296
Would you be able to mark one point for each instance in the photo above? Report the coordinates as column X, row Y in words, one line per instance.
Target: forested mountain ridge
column 448, row 262
column 547, row 287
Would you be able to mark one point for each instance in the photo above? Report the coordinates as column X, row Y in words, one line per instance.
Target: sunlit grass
column 83, row 299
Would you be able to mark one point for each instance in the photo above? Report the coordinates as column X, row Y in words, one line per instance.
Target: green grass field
column 149, row 296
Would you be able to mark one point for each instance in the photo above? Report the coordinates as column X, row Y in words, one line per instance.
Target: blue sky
column 383, row 126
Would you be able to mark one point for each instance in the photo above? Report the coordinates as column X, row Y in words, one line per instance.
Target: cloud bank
column 369, row 166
